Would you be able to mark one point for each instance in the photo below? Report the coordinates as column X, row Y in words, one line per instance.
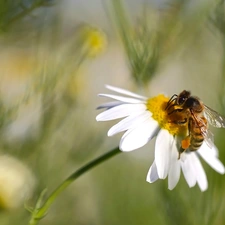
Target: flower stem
column 39, row 212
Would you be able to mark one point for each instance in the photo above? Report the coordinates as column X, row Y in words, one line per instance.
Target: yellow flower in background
column 17, row 69
column 93, row 40
column 17, row 64
column 16, row 182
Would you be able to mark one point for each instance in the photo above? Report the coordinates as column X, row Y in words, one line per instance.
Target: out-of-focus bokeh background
column 55, row 57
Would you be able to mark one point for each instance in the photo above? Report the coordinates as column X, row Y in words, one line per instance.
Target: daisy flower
column 145, row 118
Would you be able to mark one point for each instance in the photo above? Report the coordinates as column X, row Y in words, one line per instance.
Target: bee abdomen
column 196, row 142
column 195, row 146
column 198, row 139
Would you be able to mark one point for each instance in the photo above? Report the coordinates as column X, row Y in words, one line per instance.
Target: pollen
column 185, row 143
column 175, row 123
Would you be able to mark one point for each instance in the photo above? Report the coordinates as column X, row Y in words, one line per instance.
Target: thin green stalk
column 39, row 212
column 25, row 12
column 222, row 79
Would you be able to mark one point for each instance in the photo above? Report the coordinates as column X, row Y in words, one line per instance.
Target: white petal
column 109, row 105
column 200, row 173
column 139, row 136
column 208, row 154
column 163, row 151
column 188, row 168
column 174, row 171
column 122, row 99
column 152, row 175
column 129, row 122
column 213, row 149
column 125, row 92
column 120, row 111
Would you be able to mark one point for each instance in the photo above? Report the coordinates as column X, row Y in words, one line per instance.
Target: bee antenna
column 173, row 98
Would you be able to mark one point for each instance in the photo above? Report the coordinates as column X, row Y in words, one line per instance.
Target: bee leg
column 175, row 110
column 181, row 150
column 185, row 143
column 179, row 122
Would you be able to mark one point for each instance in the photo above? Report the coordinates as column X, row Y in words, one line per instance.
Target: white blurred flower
column 16, row 182
column 145, row 118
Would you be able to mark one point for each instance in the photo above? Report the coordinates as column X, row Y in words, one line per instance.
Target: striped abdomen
column 195, row 129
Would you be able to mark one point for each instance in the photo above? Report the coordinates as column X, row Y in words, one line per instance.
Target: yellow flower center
column 175, row 122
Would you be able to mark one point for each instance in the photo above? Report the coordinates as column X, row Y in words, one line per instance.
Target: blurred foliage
column 217, row 19
column 13, row 10
column 49, row 81
column 156, row 35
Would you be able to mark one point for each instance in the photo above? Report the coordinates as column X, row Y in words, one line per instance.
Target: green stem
column 25, row 12
column 222, row 89
column 40, row 212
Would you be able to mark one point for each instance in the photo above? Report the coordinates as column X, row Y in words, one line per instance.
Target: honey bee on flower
column 196, row 115
column 180, row 125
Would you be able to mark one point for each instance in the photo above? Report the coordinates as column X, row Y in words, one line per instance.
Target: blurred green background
column 55, row 58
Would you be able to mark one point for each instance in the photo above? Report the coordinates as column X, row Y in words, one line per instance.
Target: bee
column 197, row 116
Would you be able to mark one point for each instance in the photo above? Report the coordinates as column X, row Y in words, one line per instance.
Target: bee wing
column 213, row 117
column 208, row 137
column 206, row 133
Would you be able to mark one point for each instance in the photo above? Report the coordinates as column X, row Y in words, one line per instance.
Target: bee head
column 183, row 96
